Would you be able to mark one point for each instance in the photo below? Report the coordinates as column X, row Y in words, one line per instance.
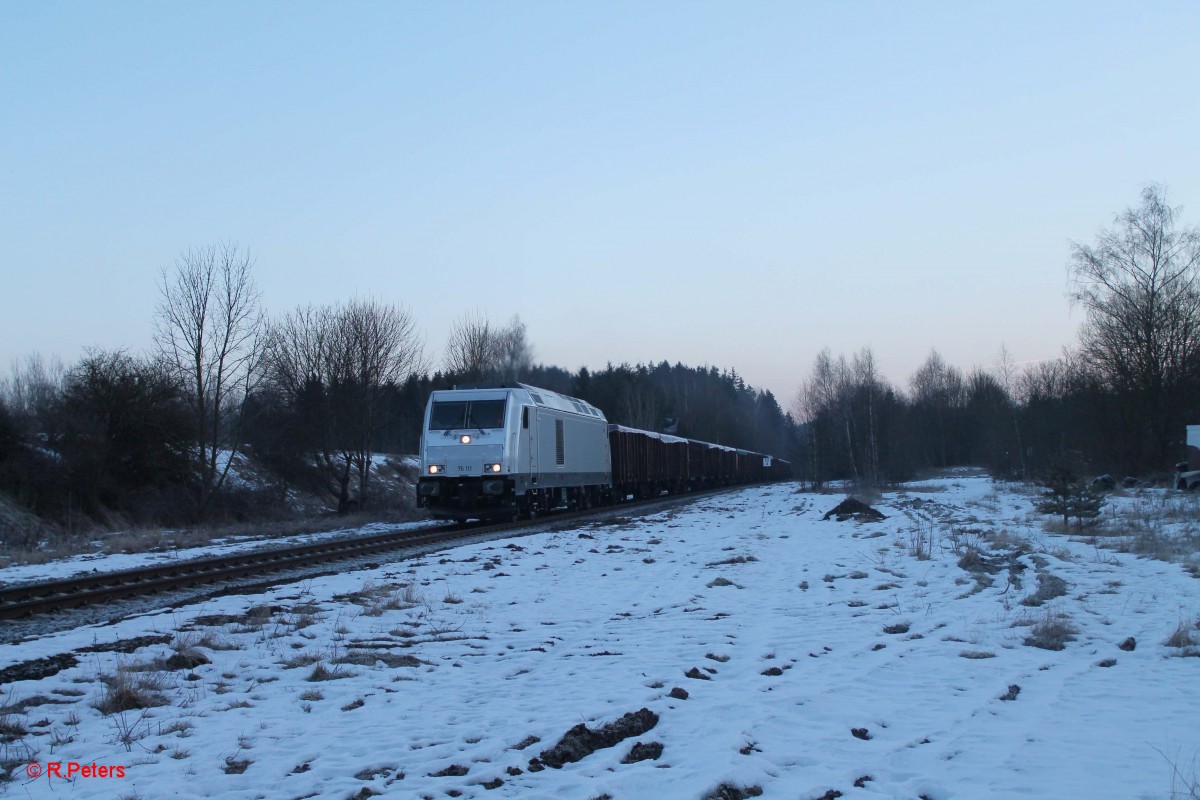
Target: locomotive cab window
column 447, row 416
column 486, row 414
column 481, row 414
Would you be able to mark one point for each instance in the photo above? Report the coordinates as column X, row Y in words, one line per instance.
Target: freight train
column 518, row 451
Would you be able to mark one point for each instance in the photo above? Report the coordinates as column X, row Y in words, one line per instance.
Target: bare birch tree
column 869, row 387
column 1139, row 285
column 1006, row 376
column 937, row 389
column 210, row 333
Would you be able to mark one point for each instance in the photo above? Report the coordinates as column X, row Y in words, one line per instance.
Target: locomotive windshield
column 481, row 414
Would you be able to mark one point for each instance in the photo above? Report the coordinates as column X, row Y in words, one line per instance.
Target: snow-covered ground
column 826, row 657
column 99, row 560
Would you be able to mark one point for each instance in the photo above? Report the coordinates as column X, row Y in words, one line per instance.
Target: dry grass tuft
column 323, row 673
column 1052, row 632
column 1049, row 587
column 1186, row 635
column 131, row 687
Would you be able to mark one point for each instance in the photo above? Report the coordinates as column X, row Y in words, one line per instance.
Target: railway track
column 25, row 600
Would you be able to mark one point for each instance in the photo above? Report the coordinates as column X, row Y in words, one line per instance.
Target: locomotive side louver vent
column 560, row 453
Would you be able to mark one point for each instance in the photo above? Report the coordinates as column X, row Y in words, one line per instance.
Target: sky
column 738, row 185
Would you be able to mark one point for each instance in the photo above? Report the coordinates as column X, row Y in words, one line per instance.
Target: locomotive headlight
column 491, row 467
column 436, row 469
column 465, row 438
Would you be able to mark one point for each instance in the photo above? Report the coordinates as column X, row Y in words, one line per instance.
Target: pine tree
column 1086, row 502
column 1067, row 495
column 1058, row 486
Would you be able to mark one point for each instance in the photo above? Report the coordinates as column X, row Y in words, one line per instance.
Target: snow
column 529, row 636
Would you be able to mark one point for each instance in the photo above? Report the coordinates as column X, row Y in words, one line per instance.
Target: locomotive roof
column 541, row 397
column 561, row 402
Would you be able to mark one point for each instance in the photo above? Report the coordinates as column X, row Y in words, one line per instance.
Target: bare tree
column 471, row 349
column 334, row 365
column 825, row 403
column 33, row 386
column 378, row 346
column 937, row 390
column 210, row 332
column 1138, row 287
column 478, row 349
column 1006, row 376
column 869, row 386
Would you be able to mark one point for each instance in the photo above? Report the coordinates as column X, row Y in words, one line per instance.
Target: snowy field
column 772, row 652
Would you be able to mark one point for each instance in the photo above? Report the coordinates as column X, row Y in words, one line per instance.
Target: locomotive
column 514, row 451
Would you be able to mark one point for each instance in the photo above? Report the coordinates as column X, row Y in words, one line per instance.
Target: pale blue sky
column 738, row 184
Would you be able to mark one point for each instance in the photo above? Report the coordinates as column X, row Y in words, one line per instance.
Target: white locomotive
column 516, row 450
column 509, row 451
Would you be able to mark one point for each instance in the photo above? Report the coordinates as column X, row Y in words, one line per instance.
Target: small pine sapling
column 1058, row 485
column 1067, row 495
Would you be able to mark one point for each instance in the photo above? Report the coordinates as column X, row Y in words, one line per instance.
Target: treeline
column 317, row 394
column 1117, row 402
column 313, row 397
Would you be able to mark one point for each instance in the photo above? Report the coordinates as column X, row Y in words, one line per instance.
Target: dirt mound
column 581, row 741
column 854, row 509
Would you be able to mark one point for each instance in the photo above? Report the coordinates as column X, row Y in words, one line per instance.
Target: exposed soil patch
column 854, row 509
column 212, row 621
column 727, row 791
column 643, row 751
column 452, row 771
column 368, row 658
column 38, row 668
column 127, row 645
column 31, row 702
column 185, row 659
column 235, row 766
column 581, row 741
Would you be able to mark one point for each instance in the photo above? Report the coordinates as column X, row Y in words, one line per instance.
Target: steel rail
column 25, row 600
